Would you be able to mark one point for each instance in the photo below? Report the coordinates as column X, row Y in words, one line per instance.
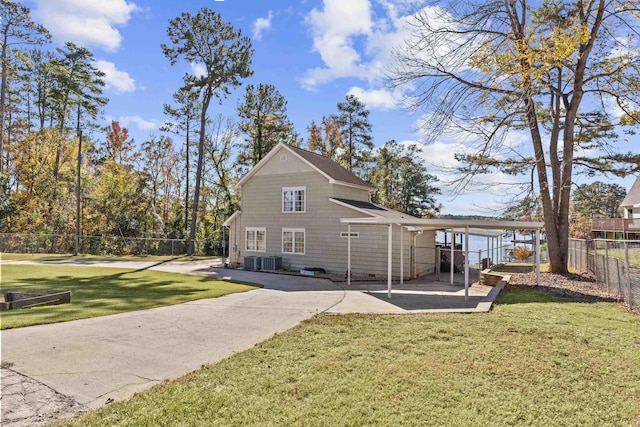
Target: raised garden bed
column 15, row 299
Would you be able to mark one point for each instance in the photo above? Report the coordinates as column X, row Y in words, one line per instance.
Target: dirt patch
column 27, row 402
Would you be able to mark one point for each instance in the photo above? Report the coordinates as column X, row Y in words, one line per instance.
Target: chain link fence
column 614, row 263
column 104, row 245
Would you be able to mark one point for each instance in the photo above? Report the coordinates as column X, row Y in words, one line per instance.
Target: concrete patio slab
column 415, row 297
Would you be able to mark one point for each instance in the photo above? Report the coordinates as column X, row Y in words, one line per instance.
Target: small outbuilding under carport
column 455, row 226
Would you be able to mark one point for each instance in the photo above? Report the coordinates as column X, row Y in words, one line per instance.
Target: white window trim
column 246, row 241
column 354, row 234
column 294, row 189
column 293, row 245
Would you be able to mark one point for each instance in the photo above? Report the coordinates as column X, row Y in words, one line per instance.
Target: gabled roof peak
column 334, row 172
column 633, row 195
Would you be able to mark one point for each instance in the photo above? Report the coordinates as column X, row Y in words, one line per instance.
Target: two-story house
column 291, row 205
column 627, row 227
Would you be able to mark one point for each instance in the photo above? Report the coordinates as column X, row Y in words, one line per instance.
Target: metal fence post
column 586, row 245
column 626, row 258
column 619, row 279
column 606, row 264
column 438, row 262
column 595, row 259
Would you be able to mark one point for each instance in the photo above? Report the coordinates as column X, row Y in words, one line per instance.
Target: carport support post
column 493, row 251
column 451, row 263
column 349, row 254
column 389, row 259
column 489, row 255
column 538, row 256
column 466, row 263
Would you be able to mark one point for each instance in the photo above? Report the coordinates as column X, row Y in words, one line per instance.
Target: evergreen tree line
column 180, row 183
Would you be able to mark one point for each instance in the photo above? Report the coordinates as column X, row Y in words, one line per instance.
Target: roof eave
column 258, row 166
column 228, row 221
column 346, row 205
column 447, row 223
column 348, row 184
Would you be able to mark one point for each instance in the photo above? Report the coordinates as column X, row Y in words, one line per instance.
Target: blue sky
column 315, row 52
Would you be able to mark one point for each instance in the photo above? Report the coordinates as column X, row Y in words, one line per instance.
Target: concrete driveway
column 61, row 369
column 95, row 360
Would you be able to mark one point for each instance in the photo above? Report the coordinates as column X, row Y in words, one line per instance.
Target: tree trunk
column 3, row 90
column 196, row 191
column 557, row 259
column 186, row 196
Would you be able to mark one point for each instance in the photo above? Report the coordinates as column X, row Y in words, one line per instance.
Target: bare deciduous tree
column 567, row 73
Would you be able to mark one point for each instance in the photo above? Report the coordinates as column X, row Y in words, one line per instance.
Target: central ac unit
column 252, row 263
column 272, row 263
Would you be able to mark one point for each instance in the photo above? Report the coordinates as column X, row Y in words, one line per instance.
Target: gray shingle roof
column 331, row 168
column 359, row 204
column 374, row 210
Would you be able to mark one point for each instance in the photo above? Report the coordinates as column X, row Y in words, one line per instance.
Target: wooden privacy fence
column 615, row 264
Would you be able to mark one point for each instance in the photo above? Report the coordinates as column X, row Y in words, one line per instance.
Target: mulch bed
column 576, row 287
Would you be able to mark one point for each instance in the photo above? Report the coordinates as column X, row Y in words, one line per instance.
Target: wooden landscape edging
column 34, row 299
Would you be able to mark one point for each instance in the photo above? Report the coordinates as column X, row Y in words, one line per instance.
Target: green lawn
column 68, row 257
column 535, row 359
column 634, row 255
column 99, row 291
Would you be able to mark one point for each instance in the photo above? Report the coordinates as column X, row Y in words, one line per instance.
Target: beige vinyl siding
column 261, row 200
column 425, row 253
column 283, row 162
column 369, row 251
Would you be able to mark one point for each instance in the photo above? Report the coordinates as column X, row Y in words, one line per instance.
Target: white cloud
column 439, row 158
column 354, row 40
column 261, row 25
column 118, row 80
column 199, row 70
column 381, row 99
column 138, row 122
column 85, row 22
column 613, row 109
column 334, row 29
column 357, row 38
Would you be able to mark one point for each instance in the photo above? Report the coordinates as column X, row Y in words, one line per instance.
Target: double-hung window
column 293, row 199
column 256, row 239
column 293, row 241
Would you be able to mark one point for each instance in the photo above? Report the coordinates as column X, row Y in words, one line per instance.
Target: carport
column 451, row 225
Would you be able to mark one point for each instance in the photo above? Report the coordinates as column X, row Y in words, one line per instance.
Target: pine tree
column 355, row 129
column 263, row 119
column 205, row 39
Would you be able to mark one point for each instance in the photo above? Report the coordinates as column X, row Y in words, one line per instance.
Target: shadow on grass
column 96, row 293
column 414, row 301
column 85, row 258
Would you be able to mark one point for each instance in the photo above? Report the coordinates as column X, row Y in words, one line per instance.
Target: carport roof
column 458, row 225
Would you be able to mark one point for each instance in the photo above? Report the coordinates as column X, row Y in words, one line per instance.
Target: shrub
column 521, row 253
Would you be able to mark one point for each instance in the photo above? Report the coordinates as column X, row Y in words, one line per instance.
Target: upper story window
column 293, row 199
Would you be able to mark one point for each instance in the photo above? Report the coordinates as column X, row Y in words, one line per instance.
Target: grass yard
column 536, row 359
column 97, row 291
column 634, row 255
